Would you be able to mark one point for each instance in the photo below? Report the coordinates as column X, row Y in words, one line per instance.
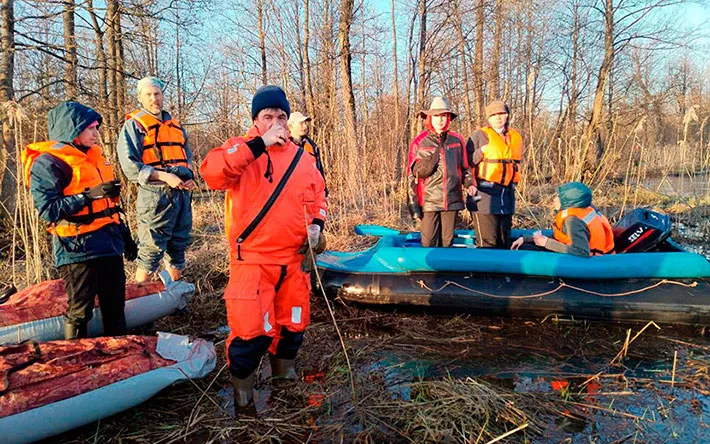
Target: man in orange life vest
column 273, row 191
column 73, row 188
column 495, row 151
column 580, row 229
column 298, row 126
column 153, row 151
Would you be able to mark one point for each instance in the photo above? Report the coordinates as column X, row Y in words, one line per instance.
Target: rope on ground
column 562, row 285
column 312, row 254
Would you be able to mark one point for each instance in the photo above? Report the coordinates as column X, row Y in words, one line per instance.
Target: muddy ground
column 418, row 377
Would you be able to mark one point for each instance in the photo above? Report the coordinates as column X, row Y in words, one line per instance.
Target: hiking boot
column 284, row 369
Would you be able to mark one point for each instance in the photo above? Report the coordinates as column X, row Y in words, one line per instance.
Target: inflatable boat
column 49, row 388
column 37, row 312
column 664, row 285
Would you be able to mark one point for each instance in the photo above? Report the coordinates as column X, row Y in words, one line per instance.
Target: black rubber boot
column 284, row 369
column 244, row 395
column 74, row 331
column 115, row 327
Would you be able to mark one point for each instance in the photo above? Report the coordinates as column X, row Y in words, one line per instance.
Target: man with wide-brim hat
column 439, row 105
column 299, row 126
column 495, row 152
column 437, row 169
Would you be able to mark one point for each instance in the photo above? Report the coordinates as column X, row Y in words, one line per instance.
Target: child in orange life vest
column 495, row 152
column 579, row 228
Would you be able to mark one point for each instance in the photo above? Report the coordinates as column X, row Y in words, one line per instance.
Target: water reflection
column 682, row 185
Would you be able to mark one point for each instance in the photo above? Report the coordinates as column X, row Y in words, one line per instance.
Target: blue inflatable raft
column 180, row 359
column 669, row 287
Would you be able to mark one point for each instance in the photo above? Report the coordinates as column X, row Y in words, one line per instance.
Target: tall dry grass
column 29, row 243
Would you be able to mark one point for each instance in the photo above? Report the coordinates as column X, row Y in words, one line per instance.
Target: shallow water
column 682, row 185
column 631, row 398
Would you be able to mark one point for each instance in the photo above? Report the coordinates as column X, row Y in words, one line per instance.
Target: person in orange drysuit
column 266, row 221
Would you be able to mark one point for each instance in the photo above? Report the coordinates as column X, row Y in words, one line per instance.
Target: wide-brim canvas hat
column 439, row 105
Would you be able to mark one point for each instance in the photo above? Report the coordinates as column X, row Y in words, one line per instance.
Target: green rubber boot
column 244, row 395
column 74, row 331
column 284, row 369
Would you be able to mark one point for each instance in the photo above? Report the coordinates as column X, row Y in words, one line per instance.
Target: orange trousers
column 266, row 304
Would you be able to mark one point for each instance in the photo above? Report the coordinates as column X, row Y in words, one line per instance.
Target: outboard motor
column 641, row 230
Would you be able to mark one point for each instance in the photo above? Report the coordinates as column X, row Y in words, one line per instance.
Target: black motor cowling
column 641, row 230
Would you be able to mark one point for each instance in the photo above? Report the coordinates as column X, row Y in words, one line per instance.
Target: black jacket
column 438, row 168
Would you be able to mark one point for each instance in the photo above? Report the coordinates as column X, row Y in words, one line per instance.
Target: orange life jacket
column 601, row 238
column 309, row 148
column 163, row 142
column 501, row 157
column 88, row 170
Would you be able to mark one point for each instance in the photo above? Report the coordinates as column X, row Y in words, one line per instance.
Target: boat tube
column 37, row 312
column 52, row 387
column 671, row 286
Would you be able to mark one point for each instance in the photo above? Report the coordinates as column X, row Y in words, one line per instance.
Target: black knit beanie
column 269, row 96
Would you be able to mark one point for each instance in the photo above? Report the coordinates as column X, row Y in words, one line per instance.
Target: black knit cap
column 269, row 96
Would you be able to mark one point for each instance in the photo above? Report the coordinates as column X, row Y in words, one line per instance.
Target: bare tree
column 102, row 67
column 478, row 64
column 307, row 59
column 395, row 87
column 422, row 69
column 624, row 23
column 346, row 20
column 70, row 70
column 463, row 54
column 8, row 182
column 494, row 87
column 591, row 133
column 117, row 97
column 178, row 65
column 262, row 39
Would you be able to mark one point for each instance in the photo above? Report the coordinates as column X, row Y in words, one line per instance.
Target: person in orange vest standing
column 299, row 126
column 437, row 170
column 74, row 189
column 275, row 204
column 153, row 151
column 579, row 229
column 495, row 152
